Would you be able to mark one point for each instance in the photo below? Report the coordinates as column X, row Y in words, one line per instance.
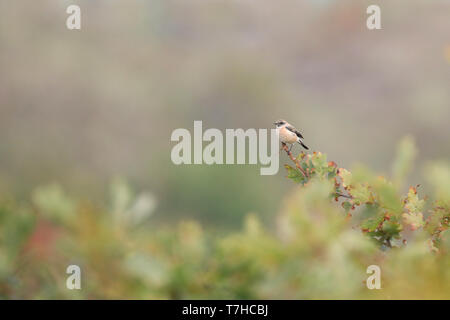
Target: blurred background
column 93, row 110
column 79, row 107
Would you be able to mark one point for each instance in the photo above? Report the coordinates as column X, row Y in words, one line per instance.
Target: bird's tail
column 303, row 145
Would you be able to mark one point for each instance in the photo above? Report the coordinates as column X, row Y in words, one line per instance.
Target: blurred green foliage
column 333, row 226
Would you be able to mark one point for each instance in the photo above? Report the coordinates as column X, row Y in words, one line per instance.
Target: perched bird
column 288, row 134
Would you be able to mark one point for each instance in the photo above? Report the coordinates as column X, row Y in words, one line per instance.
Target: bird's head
column 279, row 123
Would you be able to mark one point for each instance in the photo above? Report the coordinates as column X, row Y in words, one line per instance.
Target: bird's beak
column 274, row 123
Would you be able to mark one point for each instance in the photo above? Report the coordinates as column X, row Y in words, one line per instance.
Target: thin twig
column 289, row 153
column 343, row 195
column 388, row 243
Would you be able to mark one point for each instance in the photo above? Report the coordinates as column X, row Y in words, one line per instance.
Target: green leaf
column 319, row 162
column 392, row 228
column 372, row 224
column 388, row 197
column 413, row 220
column 346, row 177
column 361, row 193
column 294, row 174
column 414, row 206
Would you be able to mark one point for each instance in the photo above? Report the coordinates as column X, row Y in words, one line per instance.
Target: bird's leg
column 282, row 145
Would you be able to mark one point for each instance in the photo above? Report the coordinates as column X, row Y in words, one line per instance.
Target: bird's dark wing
column 292, row 129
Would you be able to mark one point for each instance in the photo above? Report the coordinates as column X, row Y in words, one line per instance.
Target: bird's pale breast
column 287, row 136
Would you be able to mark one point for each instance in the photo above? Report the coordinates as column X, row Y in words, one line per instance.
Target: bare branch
column 289, row 153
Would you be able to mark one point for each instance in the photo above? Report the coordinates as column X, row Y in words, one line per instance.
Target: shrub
column 333, row 225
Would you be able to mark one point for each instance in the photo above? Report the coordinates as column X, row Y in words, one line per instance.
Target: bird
column 288, row 134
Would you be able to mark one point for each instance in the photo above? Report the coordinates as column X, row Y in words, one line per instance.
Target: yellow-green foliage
column 334, row 225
